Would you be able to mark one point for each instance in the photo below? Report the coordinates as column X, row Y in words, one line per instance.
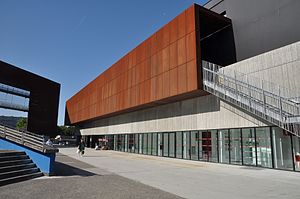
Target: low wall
column 44, row 161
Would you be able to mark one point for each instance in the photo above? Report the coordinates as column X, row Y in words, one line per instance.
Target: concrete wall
column 260, row 25
column 194, row 114
column 280, row 66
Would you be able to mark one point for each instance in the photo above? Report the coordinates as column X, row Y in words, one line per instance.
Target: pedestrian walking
column 81, row 147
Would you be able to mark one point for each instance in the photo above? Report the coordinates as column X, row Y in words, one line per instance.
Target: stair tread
column 15, row 160
column 37, row 174
column 5, row 151
column 13, row 156
column 18, row 165
column 21, row 170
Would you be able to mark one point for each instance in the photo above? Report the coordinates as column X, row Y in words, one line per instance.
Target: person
column 49, row 142
column 81, row 147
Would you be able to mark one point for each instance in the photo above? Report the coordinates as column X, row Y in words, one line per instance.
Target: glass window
column 178, row 144
column 145, row 143
column 119, row 142
column 248, row 142
column 235, row 146
column 115, row 142
column 131, row 143
column 205, row 145
column 126, row 143
column 172, row 145
column 223, row 146
column 140, row 143
column 110, row 141
column 149, row 143
column 296, row 145
column 263, row 144
column 160, row 144
column 136, row 143
column 186, row 145
column 282, row 149
column 123, row 142
column 154, row 144
column 213, row 156
column 166, row 144
column 194, row 145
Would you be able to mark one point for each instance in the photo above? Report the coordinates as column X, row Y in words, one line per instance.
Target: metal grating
column 267, row 100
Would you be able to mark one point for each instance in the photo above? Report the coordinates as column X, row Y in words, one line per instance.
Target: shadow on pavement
column 67, row 166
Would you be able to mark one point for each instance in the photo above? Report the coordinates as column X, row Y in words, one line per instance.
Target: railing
column 269, row 101
column 15, row 91
column 26, row 138
column 14, row 106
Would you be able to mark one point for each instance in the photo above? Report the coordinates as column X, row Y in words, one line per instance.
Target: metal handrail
column 236, row 88
column 14, row 106
column 26, row 138
column 15, row 91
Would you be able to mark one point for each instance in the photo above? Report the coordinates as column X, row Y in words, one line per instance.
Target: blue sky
column 73, row 41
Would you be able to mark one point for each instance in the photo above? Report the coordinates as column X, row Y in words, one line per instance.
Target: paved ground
column 111, row 174
column 193, row 179
column 79, row 180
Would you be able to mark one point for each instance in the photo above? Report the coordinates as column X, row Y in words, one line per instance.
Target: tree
column 22, row 124
column 66, row 130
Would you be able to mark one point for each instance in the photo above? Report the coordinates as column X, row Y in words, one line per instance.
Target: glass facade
column 263, row 145
column 145, row 143
column 282, row 149
column 249, row 147
column 166, row 144
column 149, row 151
column 269, row 147
column 154, row 144
column 223, row 146
column 235, row 146
column 179, row 142
column 296, row 152
column 194, row 145
column 186, row 145
column 172, row 145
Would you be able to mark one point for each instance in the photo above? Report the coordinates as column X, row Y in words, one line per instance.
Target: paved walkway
column 80, row 180
column 193, row 179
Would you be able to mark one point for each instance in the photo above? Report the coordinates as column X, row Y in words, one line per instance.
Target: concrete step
column 13, row 157
column 16, row 167
column 4, row 153
column 15, row 162
column 20, row 178
column 20, row 172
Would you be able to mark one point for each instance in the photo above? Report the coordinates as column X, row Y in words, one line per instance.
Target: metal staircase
column 268, row 101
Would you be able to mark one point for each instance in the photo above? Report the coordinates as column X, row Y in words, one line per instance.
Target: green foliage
column 66, row 130
column 22, row 124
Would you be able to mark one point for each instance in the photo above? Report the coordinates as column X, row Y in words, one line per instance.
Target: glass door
column 224, row 146
column 235, row 146
column 194, row 145
column 249, row 150
column 263, row 144
column 186, row 145
column 160, row 144
column 172, row 145
column 166, row 144
column 179, row 144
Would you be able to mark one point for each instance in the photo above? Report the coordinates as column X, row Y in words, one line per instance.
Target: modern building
column 30, row 93
column 218, row 83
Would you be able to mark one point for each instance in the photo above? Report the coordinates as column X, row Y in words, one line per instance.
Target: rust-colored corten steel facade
column 161, row 69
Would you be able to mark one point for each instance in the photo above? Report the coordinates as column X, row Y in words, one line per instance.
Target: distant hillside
column 9, row 120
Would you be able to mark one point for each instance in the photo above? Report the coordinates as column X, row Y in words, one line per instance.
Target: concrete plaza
column 111, row 174
column 193, row 179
